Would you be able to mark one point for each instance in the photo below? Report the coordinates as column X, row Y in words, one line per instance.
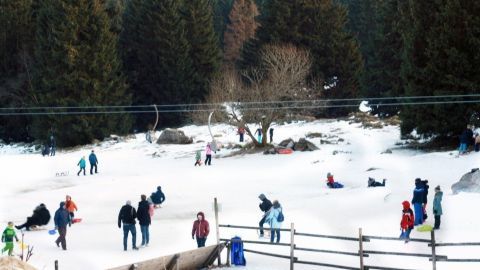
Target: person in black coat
column 40, row 217
column 373, row 183
column 265, row 207
column 144, row 219
column 127, row 217
column 158, row 197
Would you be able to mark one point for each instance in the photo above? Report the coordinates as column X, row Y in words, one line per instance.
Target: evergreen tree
column 318, row 25
column 241, row 28
column 205, row 52
column 221, row 10
column 77, row 65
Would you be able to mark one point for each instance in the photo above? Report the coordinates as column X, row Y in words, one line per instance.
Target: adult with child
column 40, row 217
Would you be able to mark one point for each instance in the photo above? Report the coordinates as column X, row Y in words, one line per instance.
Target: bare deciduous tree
column 251, row 97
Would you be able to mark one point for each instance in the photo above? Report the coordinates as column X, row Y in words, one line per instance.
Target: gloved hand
column 193, row 237
column 119, row 226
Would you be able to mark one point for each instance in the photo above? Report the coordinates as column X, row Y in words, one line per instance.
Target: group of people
column 259, row 133
column 416, row 217
column 272, row 215
column 208, row 156
column 92, row 158
column 50, row 147
column 468, row 138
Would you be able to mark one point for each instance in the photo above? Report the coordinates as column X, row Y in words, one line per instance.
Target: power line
column 319, row 106
column 243, row 103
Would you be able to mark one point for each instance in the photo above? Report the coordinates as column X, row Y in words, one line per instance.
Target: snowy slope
column 128, row 169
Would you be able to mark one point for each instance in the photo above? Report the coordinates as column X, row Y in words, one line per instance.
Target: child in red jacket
column 200, row 229
column 407, row 223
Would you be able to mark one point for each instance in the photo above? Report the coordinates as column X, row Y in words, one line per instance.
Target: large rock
column 174, row 136
column 304, row 145
column 469, row 182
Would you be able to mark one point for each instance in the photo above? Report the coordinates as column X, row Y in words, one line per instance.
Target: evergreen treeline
column 141, row 52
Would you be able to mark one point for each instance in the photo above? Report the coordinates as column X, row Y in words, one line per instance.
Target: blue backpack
column 280, row 217
column 237, row 255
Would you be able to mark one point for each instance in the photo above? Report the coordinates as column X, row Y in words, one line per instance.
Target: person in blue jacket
column 275, row 221
column 158, row 197
column 62, row 219
column 93, row 162
column 418, row 201
column 82, row 163
column 437, row 207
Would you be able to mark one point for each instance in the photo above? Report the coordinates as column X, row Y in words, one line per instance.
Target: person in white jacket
column 275, row 219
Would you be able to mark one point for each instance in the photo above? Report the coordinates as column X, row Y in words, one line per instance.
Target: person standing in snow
column 144, row 218
column 259, row 135
column 158, row 197
column 40, row 217
column 208, row 152
column 53, row 146
column 271, row 134
column 93, row 162
column 265, row 207
column 200, row 229
column 465, row 139
column 70, row 206
column 62, row 219
column 437, row 207
column 7, row 238
column 127, row 217
column 198, row 158
column 241, row 133
column 275, row 220
column 407, row 222
column 418, row 201
column 82, row 163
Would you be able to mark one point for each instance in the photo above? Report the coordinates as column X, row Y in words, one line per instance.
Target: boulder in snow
column 470, row 182
column 288, row 143
column 174, row 136
column 304, row 145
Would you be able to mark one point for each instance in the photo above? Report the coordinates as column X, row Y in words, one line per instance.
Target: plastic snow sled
column 285, row 151
column 76, row 220
column 52, row 232
column 425, row 228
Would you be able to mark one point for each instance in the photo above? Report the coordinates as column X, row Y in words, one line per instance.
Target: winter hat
column 406, row 205
column 62, row 204
column 437, row 188
column 329, row 175
column 129, row 202
column 262, row 197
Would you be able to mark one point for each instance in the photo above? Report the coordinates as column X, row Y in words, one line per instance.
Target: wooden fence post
column 434, row 252
column 215, row 205
column 292, row 245
column 360, row 247
column 56, row 264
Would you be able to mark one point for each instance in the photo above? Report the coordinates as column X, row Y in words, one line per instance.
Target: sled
column 76, row 220
column 37, row 228
column 285, row 151
column 52, row 231
column 425, row 228
column 22, row 245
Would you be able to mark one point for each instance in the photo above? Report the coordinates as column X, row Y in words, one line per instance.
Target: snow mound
column 13, row 263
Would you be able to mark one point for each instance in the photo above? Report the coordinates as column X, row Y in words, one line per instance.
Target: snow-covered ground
column 129, row 169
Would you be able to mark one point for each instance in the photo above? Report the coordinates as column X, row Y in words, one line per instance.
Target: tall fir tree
column 77, row 65
column 241, row 28
column 318, row 25
column 17, row 21
column 205, row 53
column 221, row 10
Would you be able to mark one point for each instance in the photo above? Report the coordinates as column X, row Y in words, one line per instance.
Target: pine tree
column 241, row 28
column 221, row 10
column 205, row 52
column 318, row 25
column 77, row 65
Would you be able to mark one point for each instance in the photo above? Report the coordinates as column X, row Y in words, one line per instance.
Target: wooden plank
column 328, row 236
column 268, row 254
column 360, row 247
column 215, row 204
column 292, row 246
column 328, row 265
column 256, row 242
column 369, row 237
column 456, row 244
column 173, row 262
column 434, row 253
column 422, row 255
column 371, row 267
column 457, row 260
column 246, row 227
column 331, row 251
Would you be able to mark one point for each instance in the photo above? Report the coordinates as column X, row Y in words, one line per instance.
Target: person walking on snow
column 259, row 135
column 407, row 222
column 208, row 152
column 417, row 201
column 53, row 145
column 275, row 219
column 82, row 163
column 265, row 207
column 241, row 133
column 93, row 162
column 127, row 217
column 70, row 206
column 437, row 207
column 7, row 238
column 271, row 134
column 62, row 219
column 200, row 229
column 198, row 158
column 144, row 218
